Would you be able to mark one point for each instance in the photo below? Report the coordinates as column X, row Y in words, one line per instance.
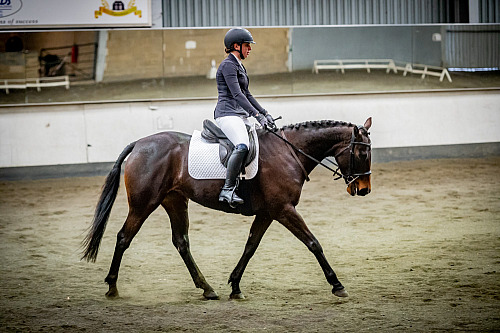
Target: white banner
column 16, row 14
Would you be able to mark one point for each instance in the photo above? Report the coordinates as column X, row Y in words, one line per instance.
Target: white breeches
column 235, row 129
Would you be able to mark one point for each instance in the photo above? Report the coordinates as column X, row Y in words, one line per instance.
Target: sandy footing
column 420, row 253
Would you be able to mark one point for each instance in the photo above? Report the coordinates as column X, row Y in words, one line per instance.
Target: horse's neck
column 318, row 142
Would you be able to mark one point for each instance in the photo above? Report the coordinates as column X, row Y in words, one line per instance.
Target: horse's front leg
column 176, row 206
column 259, row 227
column 294, row 222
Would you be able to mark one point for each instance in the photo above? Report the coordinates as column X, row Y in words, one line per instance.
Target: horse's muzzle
column 361, row 186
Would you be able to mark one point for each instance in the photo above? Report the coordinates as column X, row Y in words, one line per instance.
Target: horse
column 156, row 173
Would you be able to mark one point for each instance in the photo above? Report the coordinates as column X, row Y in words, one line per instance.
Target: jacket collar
column 233, row 58
column 237, row 62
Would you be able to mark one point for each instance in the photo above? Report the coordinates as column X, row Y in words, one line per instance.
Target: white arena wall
column 405, row 125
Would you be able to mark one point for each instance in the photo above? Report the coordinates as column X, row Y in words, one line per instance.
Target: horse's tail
column 103, row 209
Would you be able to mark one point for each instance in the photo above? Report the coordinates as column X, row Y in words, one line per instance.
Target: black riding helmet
column 238, row 36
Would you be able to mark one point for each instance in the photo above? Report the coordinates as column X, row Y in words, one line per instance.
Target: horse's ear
column 368, row 123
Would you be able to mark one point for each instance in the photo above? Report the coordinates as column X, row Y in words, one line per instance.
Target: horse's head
column 354, row 160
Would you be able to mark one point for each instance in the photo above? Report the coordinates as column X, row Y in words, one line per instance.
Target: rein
column 335, row 172
column 351, row 177
column 295, row 155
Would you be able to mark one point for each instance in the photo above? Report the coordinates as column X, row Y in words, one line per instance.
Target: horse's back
column 155, row 155
column 159, row 144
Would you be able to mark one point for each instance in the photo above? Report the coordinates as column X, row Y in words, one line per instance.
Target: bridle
column 350, row 176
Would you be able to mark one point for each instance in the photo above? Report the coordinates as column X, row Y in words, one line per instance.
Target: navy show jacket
column 232, row 85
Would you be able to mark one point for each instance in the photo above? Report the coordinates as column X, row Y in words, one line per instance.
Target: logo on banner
column 9, row 7
column 117, row 9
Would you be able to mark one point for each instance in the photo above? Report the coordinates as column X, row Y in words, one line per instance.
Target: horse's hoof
column 210, row 295
column 112, row 293
column 237, row 296
column 341, row 293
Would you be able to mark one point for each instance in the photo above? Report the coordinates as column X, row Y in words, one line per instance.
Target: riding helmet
column 237, row 35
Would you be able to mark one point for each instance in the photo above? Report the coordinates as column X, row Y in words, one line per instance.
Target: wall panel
column 472, row 46
column 61, row 134
column 223, row 13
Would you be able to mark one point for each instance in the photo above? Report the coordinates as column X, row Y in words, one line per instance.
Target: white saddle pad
column 204, row 161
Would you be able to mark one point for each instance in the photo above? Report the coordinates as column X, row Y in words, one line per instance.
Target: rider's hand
column 270, row 122
column 262, row 120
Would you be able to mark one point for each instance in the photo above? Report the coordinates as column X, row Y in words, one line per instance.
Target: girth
column 213, row 134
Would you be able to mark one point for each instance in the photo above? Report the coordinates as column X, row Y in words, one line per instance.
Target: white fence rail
column 37, row 83
column 387, row 64
column 344, row 64
column 427, row 70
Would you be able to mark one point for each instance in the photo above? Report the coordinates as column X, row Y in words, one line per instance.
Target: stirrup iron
column 228, row 194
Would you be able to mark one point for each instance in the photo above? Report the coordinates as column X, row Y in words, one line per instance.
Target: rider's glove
column 262, row 120
column 270, row 122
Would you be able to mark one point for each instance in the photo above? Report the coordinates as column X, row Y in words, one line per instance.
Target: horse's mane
column 317, row 124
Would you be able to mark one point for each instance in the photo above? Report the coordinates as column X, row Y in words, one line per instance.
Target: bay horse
column 156, row 173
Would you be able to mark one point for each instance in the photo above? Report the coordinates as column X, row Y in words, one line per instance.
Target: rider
column 235, row 104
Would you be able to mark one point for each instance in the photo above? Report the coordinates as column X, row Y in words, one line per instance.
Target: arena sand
column 420, row 253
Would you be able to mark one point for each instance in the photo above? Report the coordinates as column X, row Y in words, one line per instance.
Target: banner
column 16, row 14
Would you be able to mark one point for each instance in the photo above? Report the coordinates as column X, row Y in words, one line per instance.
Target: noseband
column 350, row 176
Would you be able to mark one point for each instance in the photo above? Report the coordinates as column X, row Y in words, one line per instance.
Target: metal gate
column 77, row 61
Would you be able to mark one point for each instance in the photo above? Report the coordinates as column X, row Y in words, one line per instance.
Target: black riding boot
column 233, row 170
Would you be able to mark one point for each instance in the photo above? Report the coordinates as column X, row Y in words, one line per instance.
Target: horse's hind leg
column 124, row 237
column 259, row 227
column 176, row 206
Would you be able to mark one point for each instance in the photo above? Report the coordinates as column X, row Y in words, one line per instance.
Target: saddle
column 213, row 134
